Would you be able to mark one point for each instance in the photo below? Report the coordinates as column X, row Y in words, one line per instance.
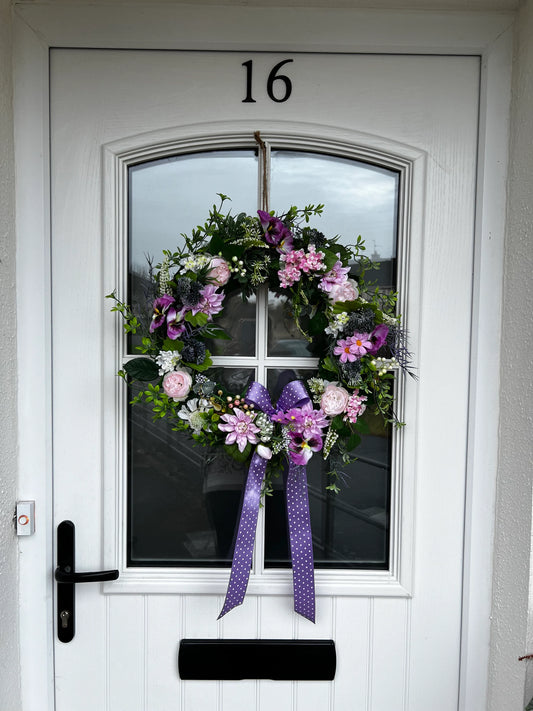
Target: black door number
column 273, row 77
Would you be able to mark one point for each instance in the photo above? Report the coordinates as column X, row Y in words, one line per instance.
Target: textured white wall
column 9, row 649
column 511, row 597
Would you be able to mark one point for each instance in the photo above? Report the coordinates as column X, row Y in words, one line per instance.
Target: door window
column 184, row 500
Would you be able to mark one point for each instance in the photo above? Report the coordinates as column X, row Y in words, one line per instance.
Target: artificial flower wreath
column 350, row 326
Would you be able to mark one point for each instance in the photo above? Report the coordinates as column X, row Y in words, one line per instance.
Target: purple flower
column 303, row 420
column 301, row 449
column 276, row 233
column 211, row 301
column 378, row 338
column 353, row 347
column 161, row 307
column 240, row 429
column 175, row 325
column 344, row 349
column 336, row 275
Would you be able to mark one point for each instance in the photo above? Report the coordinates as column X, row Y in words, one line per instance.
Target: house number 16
column 272, row 78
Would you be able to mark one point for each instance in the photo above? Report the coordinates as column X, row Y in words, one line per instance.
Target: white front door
column 396, row 625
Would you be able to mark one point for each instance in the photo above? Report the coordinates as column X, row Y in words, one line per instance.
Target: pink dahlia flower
column 336, row 275
column 211, row 301
column 240, row 429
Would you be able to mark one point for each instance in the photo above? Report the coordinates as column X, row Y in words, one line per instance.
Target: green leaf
column 141, row 369
column 330, row 258
column 317, row 324
column 328, row 364
column 362, row 426
column 233, row 451
column 353, row 442
column 200, row 319
column 215, row 331
column 203, row 366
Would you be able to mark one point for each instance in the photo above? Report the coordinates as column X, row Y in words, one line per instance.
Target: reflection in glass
column 238, row 319
column 359, row 198
column 284, row 338
column 350, row 529
column 172, row 196
column 183, row 500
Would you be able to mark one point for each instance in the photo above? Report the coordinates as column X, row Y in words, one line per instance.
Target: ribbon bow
column 301, row 544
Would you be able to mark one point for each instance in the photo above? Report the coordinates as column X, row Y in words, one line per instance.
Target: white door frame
column 41, row 27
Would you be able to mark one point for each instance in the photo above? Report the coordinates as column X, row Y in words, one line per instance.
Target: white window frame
column 118, row 156
column 39, row 27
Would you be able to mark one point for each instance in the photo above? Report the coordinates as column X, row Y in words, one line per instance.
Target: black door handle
column 67, row 577
column 99, row 576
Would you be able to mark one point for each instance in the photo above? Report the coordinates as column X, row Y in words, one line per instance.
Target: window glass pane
column 350, row 529
column 284, row 338
column 172, row 196
column 359, row 199
column 183, row 500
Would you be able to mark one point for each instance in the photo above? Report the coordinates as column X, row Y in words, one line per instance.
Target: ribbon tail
column 244, row 543
column 301, row 542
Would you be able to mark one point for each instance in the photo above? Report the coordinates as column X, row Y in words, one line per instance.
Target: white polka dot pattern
column 294, row 395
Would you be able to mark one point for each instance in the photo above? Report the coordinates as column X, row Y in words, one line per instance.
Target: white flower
column 167, row 361
column 194, row 262
column 337, row 324
column 263, row 451
column 192, row 411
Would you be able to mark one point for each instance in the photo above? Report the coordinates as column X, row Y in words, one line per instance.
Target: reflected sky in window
column 359, row 199
column 173, row 195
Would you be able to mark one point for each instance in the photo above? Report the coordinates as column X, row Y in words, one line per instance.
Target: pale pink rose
column 334, row 400
column 219, row 271
column 347, row 291
column 177, row 384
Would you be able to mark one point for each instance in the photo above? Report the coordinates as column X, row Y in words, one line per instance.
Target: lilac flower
column 336, row 275
column 303, row 420
column 210, row 303
column 240, row 429
column 161, row 307
column 378, row 338
column 276, row 233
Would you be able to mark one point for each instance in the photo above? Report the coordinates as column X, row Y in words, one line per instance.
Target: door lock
column 66, row 577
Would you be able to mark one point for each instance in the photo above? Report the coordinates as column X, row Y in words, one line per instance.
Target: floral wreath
column 350, row 326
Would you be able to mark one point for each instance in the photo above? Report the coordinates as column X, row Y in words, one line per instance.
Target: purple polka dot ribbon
column 301, row 543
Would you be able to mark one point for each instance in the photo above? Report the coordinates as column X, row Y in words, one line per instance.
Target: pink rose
column 334, row 400
column 347, row 291
column 177, row 384
column 219, row 271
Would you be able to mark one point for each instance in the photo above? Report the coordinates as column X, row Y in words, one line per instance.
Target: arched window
column 183, row 501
